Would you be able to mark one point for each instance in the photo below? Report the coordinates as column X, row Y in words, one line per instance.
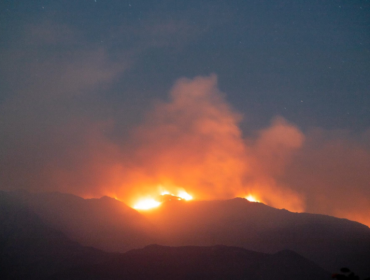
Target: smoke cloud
column 193, row 142
column 332, row 170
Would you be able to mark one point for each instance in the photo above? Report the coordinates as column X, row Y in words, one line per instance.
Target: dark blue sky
column 308, row 61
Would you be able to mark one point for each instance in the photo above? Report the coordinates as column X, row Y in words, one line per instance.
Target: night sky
column 96, row 96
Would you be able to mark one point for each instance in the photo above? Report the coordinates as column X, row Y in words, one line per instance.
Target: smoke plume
column 191, row 142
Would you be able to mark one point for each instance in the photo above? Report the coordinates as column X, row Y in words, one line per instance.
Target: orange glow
column 251, row 198
column 193, row 139
column 184, row 195
column 181, row 193
column 191, row 147
column 146, row 204
column 149, row 203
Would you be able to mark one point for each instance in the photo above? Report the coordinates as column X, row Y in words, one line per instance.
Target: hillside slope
column 330, row 242
column 111, row 225
column 104, row 223
column 30, row 249
column 203, row 263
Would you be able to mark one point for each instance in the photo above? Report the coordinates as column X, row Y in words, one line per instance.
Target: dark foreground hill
column 104, row 223
column 111, row 225
column 216, row 262
column 328, row 241
column 30, row 249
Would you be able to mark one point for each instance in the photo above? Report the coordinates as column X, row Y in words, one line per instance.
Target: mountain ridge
column 112, row 226
column 31, row 249
column 194, row 262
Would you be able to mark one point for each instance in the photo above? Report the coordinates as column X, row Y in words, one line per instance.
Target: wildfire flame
column 251, row 198
column 150, row 203
column 146, row 204
column 184, row 195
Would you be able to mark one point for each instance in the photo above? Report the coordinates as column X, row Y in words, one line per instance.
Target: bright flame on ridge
column 181, row 194
column 184, row 195
column 147, row 204
column 251, row 198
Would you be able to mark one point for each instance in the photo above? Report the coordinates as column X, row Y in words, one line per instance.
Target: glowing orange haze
column 193, row 143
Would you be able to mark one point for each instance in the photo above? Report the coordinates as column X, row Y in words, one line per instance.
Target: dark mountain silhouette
column 104, row 223
column 113, row 226
column 29, row 249
column 216, row 262
column 330, row 242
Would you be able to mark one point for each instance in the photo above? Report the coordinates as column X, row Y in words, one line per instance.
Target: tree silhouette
column 346, row 274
